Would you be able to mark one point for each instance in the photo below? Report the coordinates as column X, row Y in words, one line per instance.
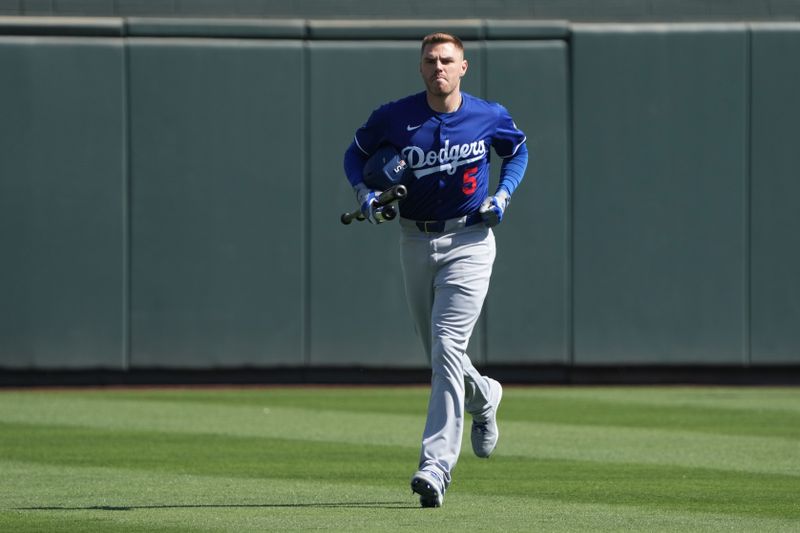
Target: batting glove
column 493, row 207
column 368, row 202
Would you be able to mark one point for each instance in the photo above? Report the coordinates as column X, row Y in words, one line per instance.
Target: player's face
column 442, row 66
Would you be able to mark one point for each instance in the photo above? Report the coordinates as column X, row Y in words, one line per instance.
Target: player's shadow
column 345, row 505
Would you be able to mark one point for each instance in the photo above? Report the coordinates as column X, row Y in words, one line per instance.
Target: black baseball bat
column 398, row 192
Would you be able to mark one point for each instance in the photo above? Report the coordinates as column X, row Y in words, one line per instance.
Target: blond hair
column 439, row 37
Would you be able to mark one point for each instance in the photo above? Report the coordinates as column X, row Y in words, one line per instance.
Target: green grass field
column 340, row 458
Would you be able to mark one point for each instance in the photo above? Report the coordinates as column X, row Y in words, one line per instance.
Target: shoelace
column 481, row 426
column 438, row 478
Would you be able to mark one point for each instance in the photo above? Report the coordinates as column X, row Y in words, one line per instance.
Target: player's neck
column 445, row 104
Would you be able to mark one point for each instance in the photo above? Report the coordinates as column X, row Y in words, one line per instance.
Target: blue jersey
column 448, row 152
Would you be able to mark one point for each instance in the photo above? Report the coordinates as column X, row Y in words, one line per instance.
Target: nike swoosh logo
column 412, row 128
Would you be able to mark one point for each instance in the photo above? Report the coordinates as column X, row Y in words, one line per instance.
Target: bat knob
column 386, row 213
column 345, row 218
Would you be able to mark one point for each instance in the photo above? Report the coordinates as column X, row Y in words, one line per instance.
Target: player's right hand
column 368, row 202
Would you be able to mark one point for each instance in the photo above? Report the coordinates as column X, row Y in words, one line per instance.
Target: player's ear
column 464, row 66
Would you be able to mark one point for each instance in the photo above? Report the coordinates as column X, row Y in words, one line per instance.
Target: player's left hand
column 493, row 208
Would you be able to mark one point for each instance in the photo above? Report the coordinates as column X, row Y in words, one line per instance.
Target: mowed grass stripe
column 68, row 498
column 158, row 500
column 731, row 398
column 233, row 456
column 604, row 443
column 206, row 418
column 712, row 420
column 649, row 446
column 46, row 487
column 408, row 399
column 735, row 411
column 695, row 489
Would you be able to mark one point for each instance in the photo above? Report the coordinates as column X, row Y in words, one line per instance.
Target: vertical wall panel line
column 305, row 219
column 748, row 203
column 127, row 207
column 569, row 284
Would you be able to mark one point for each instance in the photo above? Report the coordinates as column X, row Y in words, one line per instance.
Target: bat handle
column 387, row 212
column 347, row 218
column 398, row 192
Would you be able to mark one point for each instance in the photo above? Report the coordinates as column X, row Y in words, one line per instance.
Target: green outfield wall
column 170, row 192
column 660, row 186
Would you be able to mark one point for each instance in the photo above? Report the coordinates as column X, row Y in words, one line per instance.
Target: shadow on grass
column 322, row 505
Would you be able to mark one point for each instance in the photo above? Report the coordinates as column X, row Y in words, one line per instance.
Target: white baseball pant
column 446, row 280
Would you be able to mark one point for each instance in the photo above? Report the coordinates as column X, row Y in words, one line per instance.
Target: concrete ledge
column 226, row 28
column 345, row 29
column 526, row 29
column 467, row 29
column 79, row 26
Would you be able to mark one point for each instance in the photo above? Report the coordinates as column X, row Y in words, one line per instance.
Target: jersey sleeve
column 507, row 137
column 367, row 139
column 354, row 161
column 372, row 134
column 513, row 170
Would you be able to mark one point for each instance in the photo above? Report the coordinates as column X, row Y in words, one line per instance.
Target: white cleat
column 428, row 484
column 485, row 432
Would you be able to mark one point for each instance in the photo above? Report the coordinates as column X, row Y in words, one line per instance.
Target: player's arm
column 354, row 159
column 512, row 171
column 509, row 143
column 365, row 142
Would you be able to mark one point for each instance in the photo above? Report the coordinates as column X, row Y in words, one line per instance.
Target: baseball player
column 447, row 244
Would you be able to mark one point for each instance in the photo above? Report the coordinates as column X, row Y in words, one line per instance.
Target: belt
column 441, row 226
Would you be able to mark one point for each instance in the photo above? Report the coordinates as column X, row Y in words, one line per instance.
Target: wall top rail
column 681, row 27
column 221, row 28
column 326, row 29
column 311, row 29
column 467, row 29
column 78, row 26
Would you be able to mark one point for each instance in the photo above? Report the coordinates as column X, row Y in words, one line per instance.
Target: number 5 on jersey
column 470, row 183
